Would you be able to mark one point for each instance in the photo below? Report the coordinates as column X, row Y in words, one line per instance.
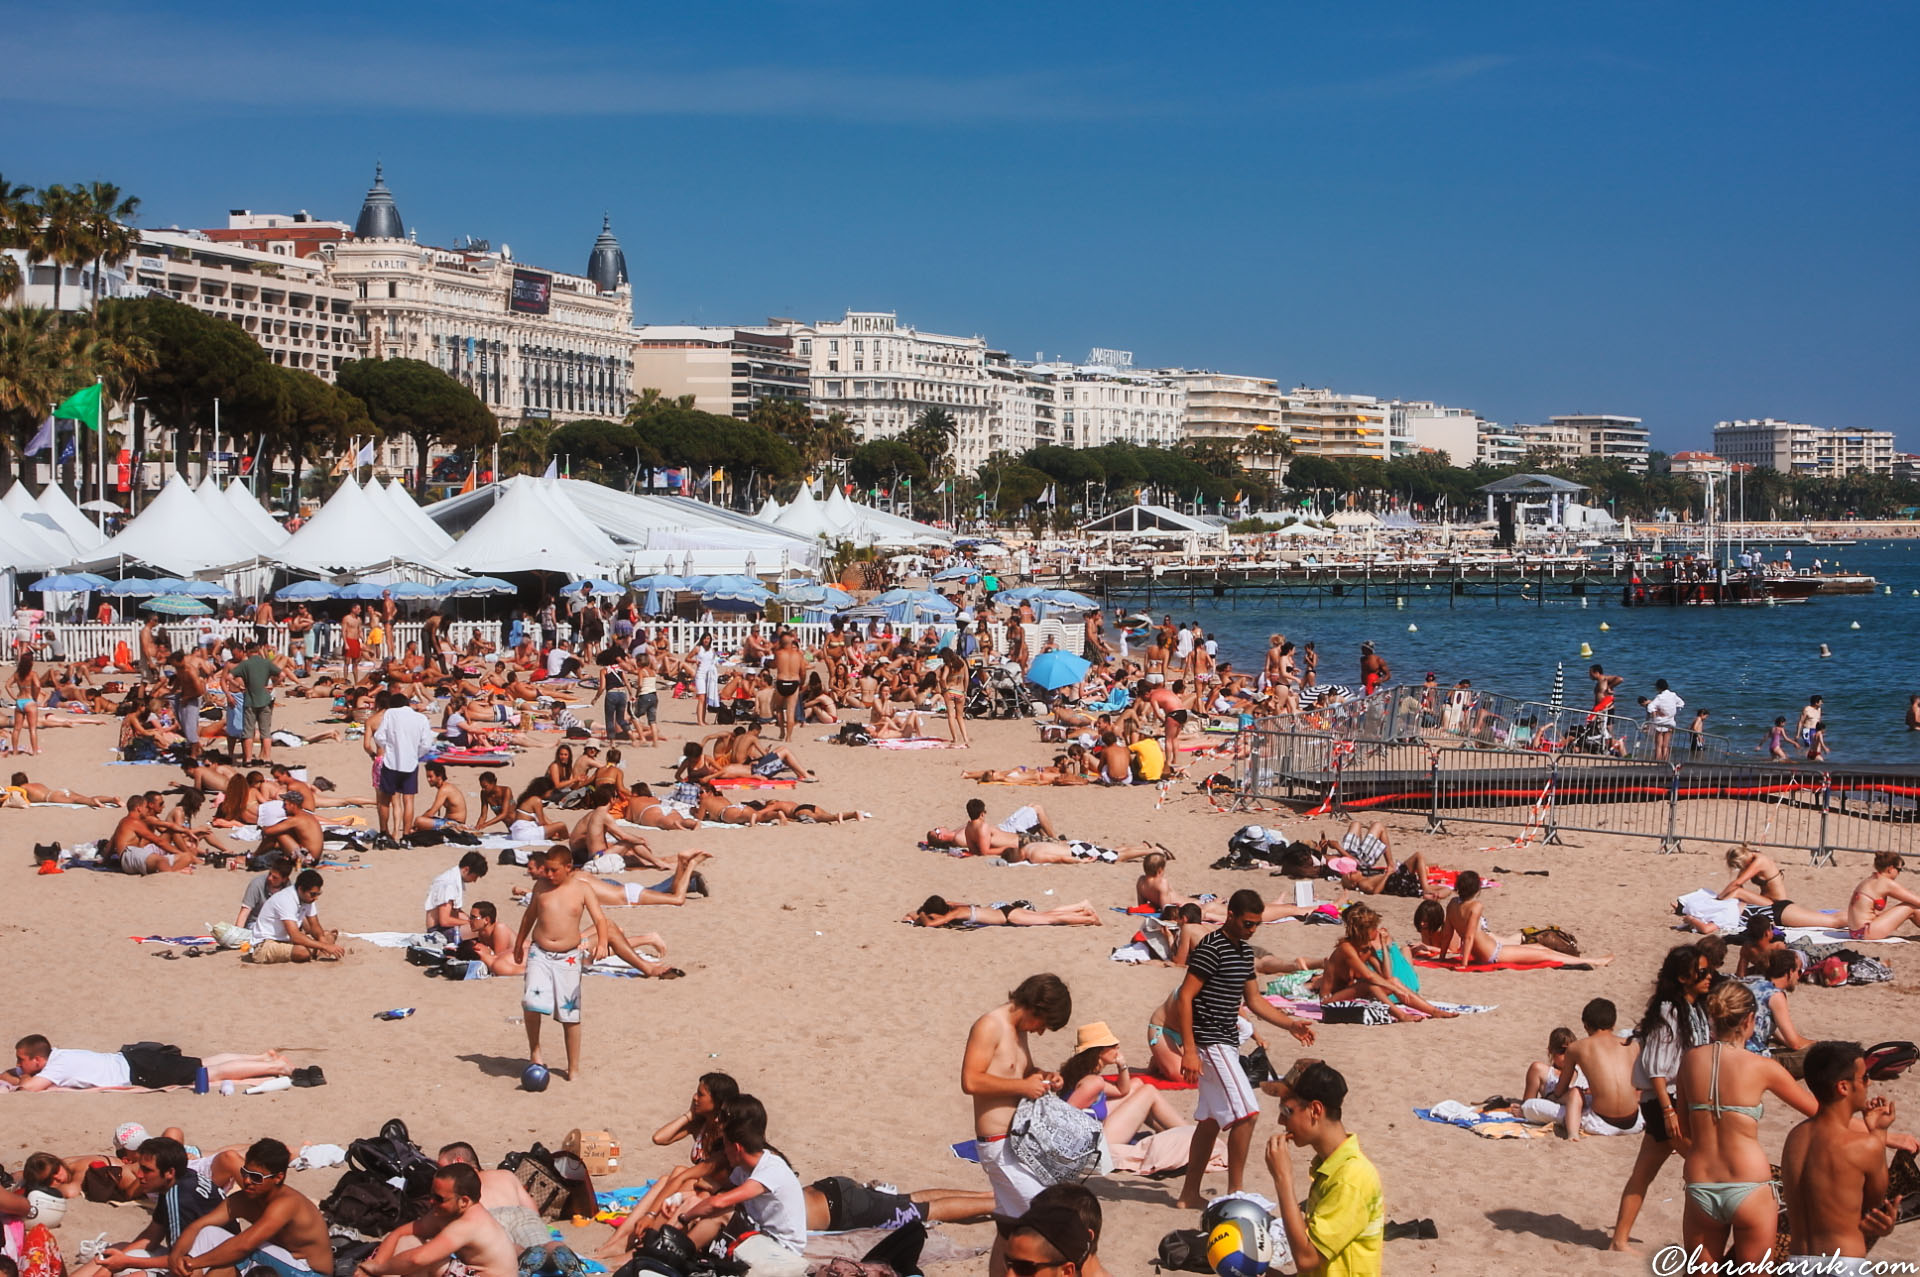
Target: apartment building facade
column 727, row 370
column 883, row 374
column 1806, row 451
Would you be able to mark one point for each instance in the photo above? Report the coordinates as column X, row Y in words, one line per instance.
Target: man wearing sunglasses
column 456, row 1235
column 1051, row 1240
column 263, row 1224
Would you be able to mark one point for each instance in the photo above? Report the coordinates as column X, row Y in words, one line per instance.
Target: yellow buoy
column 1605, row 626
column 1585, row 650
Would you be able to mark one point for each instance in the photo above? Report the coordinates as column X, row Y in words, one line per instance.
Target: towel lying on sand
column 1503, row 966
column 1835, row 935
column 755, row 782
column 1491, row 1126
column 914, row 742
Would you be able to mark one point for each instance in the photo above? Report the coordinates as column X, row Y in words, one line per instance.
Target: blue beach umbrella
column 69, row 583
column 1057, row 669
column 595, row 585
column 306, row 590
column 662, row 581
column 476, row 586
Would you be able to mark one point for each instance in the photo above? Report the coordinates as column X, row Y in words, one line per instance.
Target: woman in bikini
column 1730, row 1209
column 1466, row 927
column 937, row 911
column 782, row 812
column 1098, row 1071
column 560, row 770
column 951, row 678
column 644, row 809
column 1358, row 968
column 820, row 707
column 717, row 807
column 526, row 818
column 22, row 792
column 1879, row 904
column 24, row 686
column 241, row 803
column 706, row 1167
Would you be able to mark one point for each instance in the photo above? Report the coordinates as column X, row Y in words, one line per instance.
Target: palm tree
column 17, row 214
column 523, row 450
column 107, row 347
column 62, row 236
column 104, row 214
column 33, row 375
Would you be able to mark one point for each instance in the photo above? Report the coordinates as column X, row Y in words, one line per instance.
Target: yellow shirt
column 1346, row 1216
column 1150, row 757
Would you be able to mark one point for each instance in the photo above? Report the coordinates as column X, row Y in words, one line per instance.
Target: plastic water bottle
column 398, row 1013
column 200, row 1082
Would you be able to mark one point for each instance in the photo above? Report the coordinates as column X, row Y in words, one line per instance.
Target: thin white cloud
column 167, row 63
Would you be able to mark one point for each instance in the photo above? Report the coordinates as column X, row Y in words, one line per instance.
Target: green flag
column 82, row 406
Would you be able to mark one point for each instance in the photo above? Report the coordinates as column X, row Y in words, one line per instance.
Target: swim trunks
column 552, row 985
column 352, row 648
column 134, row 860
column 767, row 766
column 786, row 687
column 851, row 1204
column 1014, row 1186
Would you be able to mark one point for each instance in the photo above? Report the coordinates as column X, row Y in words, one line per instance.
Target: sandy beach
column 848, row 1024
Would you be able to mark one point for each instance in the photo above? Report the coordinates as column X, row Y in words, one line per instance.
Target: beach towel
column 186, row 940
column 1497, row 966
column 1834, row 935
column 915, row 742
column 473, row 758
column 1724, row 914
column 1491, row 1126
column 755, row 782
column 392, row 939
column 1167, row 1150
column 1159, row 1083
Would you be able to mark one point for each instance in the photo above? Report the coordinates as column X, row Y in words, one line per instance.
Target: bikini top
column 1713, row 1104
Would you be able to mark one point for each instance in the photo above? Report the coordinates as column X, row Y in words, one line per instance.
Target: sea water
column 1746, row 664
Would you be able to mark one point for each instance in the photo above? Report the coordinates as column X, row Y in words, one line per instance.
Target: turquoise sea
column 1745, row 664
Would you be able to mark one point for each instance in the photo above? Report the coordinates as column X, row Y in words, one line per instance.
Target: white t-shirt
column 403, row 736
column 83, row 1069
column 555, row 659
column 272, row 812
column 447, row 889
column 282, row 907
column 781, row 1211
column 1663, row 709
column 1183, row 644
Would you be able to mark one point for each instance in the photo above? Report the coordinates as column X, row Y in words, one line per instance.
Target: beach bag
column 1888, row 1060
column 1557, row 939
column 559, row 1185
column 1184, row 1250
column 551, row 1261
column 1258, row 1067
column 1868, row 971
column 348, row 1254
column 1056, row 1142
column 102, row 1184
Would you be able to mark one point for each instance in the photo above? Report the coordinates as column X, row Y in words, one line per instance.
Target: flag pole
column 211, row 462
column 100, row 445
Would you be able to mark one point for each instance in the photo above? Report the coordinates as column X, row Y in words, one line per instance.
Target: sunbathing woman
column 644, row 809
column 241, row 803
column 527, row 819
column 1132, row 1102
column 1359, row 967
column 1058, row 774
column 937, row 911
column 781, row 812
column 717, row 807
column 616, row 894
column 820, row 707
column 1879, row 905
column 22, row 792
column 1465, row 926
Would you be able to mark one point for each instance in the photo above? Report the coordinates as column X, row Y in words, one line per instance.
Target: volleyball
column 1237, row 1248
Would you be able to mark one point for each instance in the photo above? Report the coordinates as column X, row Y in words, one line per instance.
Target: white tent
column 351, row 532
column 767, row 511
column 650, row 533
column 175, row 534
column 803, row 516
column 39, row 527
column 59, row 507
column 227, row 517
column 532, row 529
column 408, row 512
column 253, row 514
column 27, row 545
column 1355, row 519
column 838, row 519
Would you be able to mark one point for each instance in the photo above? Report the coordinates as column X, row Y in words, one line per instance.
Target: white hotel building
column 883, row 375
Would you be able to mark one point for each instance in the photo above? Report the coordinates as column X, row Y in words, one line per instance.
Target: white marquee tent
column 532, row 528
column 354, row 531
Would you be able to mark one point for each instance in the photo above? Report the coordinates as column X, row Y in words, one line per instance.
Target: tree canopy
column 412, row 398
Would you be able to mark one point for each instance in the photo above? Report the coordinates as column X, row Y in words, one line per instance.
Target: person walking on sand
column 1218, row 982
column 998, row 1072
column 1675, row 1021
column 549, row 943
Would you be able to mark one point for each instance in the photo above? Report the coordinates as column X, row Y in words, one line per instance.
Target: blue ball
column 535, row 1078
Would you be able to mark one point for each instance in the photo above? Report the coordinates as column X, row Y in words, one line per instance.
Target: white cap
column 1254, row 832
column 129, row 1136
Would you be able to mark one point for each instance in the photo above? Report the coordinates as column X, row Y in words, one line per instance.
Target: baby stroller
column 994, row 690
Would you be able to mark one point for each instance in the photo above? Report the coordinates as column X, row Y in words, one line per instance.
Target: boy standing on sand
column 555, row 960
column 998, row 1072
column 1219, row 981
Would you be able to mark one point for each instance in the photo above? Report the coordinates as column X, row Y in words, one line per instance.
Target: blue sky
column 1684, row 212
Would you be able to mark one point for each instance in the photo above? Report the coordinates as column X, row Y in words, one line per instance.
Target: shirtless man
column 1604, row 687
column 143, row 846
column 598, row 832
column 1152, row 888
column 190, row 671
column 1611, row 1101
column 983, row 839
column 448, row 807
column 1116, row 761
column 153, row 652
column 789, row 675
column 549, row 943
column 1171, row 703
column 1810, row 715
column 350, row 647
column 997, row 1070
column 263, row 1223
column 457, row 1234
column 1833, row 1169
column 504, row 1196
column 299, row 835
column 1373, row 670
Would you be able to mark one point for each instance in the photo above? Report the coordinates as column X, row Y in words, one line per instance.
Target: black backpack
column 1184, row 1250
column 365, row 1208
column 392, row 1154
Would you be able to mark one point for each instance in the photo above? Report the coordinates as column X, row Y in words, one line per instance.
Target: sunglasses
column 1030, row 1267
column 256, row 1177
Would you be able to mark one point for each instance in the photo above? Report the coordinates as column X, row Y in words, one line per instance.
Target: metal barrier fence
column 1819, row 808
